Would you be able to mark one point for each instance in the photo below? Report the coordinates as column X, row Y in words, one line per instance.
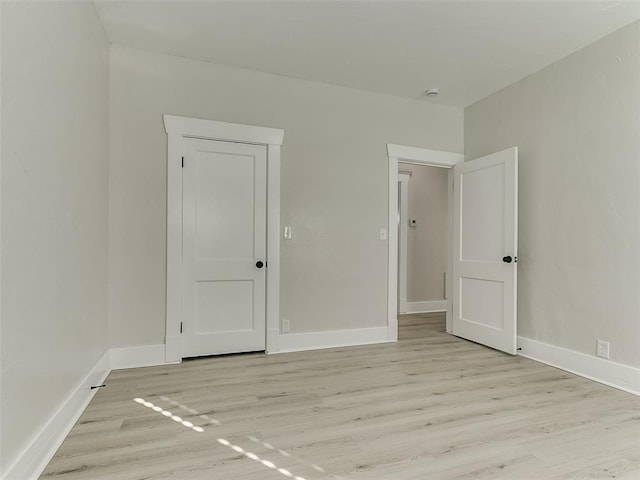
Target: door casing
column 403, row 230
column 178, row 129
column 418, row 156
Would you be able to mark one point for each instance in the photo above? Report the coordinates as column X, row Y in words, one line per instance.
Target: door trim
column 419, row 156
column 403, row 180
column 177, row 129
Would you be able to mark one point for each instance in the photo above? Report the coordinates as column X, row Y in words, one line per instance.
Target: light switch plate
column 383, row 234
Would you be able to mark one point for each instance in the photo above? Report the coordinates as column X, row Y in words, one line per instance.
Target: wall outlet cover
column 285, row 325
column 602, row 349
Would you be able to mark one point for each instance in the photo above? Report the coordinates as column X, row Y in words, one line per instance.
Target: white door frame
column 403, row 180
column 419, row 156
column 178, row 129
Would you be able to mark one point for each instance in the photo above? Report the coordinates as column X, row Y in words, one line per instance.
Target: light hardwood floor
column 431, row 406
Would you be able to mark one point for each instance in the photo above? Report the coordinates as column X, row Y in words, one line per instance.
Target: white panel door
column 224, row 247
column 485, row 250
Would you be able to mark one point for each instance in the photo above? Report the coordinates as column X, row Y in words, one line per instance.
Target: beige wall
column 577, row 125
column 54, row 210
column 334, row 184
column 426, row 243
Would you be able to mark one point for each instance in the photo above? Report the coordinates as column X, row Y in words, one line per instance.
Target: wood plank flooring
column 431, row 406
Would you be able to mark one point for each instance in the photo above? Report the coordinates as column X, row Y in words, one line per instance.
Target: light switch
column 383, row 234
column 288, row 232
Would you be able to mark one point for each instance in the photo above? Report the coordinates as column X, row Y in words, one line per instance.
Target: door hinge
column 182, row 162
column 180, row 327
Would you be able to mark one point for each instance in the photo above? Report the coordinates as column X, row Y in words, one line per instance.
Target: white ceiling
column 469, row 49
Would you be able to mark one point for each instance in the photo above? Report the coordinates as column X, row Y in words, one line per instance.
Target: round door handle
column 507, row 259
column 259, row 264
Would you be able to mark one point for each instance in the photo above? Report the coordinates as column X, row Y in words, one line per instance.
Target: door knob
column 259, row 264
column 507, row 259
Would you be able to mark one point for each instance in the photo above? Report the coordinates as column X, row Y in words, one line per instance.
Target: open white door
column 485, row 229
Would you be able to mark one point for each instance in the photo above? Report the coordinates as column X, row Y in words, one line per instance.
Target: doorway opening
column 400, row 155
column 482, row 221
column 422, row 249
column 422, row 238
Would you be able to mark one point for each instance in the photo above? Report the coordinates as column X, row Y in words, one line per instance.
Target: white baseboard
column 35, row 457
column 610, row 373
column 134, row 357
column 296, row 342
column 273, row 340
column 426, row 307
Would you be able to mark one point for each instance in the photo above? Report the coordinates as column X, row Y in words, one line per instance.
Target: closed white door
column 485, row 250
column 224, row 248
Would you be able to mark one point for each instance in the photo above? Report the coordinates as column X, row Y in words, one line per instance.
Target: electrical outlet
column 285, row 325
column 602, row 349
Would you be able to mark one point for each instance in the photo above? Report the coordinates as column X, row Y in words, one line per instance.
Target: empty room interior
column 312, row 240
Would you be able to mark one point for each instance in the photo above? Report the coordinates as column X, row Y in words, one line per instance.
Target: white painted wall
column 334, row 184
column 427, row 241
column 577, row 125
column 54, row 211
